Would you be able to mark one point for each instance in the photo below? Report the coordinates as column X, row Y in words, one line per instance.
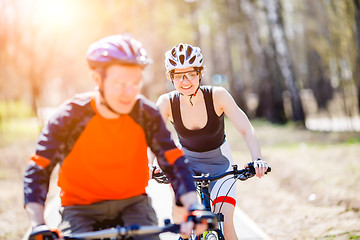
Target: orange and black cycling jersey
column 102, row 159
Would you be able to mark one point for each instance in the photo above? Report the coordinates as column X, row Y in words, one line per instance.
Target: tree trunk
column 267, row 80
column 194, row 6
column 357, row 39
column 232, row 36
column 318, row 81
column 271, row 104
column 283, row 58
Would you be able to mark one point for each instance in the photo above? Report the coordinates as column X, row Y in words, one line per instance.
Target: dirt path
column 312, row 192
column 13, row 220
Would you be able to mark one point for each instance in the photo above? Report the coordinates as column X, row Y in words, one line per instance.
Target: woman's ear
column 202, row 72
column 168, row 76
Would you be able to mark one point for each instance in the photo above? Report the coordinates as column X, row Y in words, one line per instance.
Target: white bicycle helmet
column 183, row 56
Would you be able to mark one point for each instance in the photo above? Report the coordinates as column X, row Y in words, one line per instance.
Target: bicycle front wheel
column 210, row 236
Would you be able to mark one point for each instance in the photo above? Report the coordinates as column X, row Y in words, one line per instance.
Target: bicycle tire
column 211, row 235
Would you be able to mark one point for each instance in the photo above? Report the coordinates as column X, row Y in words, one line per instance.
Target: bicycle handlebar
column 125, row 232
column 242, row 174
column 122, row 232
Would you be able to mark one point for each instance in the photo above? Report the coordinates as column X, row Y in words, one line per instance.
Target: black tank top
column 200, row 140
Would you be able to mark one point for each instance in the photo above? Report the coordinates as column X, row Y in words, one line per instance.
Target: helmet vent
column 182, row 59
column 191, row 61
column 121, row 49
column 173, row 52
column 188, row 52
column 183, row 56
column 172, row 62
column 132, row 50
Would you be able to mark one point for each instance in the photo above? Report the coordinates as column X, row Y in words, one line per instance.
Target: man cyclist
column 100, row 140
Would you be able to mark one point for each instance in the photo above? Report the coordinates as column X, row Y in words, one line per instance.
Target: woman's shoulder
column 219, row 91
column 166, row 96
column 164, row 99
column 163, row 104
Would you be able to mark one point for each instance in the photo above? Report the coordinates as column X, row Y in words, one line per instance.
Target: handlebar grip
column 252, row 168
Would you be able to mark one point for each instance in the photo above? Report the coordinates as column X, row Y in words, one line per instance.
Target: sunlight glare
column 57, row 13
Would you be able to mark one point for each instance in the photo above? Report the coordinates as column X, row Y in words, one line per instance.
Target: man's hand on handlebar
column 198, row 220
column 43, row 232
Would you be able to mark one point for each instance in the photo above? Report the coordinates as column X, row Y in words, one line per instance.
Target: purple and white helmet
column 183, row 56
column 116, row 49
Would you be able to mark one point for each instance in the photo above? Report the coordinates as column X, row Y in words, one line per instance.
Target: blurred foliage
column 18, row 130
column 15, row 109
column 269, row 50
column 17, row 122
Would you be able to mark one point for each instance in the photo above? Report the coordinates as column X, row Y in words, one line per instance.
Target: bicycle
column 202, row 185
column 123, row 233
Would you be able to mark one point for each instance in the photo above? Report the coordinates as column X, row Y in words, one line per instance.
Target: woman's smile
column 186, row 87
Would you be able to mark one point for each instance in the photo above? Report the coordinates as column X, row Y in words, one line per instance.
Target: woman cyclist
column 197, row 113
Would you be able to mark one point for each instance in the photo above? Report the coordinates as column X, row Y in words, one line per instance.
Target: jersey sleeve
column 42, row 163
column 54, row 143
column 52, row 146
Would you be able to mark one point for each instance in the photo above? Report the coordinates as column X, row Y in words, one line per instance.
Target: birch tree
column 283, row 58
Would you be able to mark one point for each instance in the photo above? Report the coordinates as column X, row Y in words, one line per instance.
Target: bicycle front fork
column 216, row 234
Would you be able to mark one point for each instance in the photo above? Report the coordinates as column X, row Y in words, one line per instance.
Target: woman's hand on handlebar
column 260, row 167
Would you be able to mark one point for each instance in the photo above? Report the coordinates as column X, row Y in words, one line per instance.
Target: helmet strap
column 194, row 94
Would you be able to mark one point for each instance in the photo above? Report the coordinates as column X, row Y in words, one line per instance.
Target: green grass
column 17, row 122
column 355, row 140
column 290, row 136
column 15, row 129
column 347, row 234
column 277, row 136
column 15, row 109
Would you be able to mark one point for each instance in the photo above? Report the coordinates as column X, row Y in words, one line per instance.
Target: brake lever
column 250, row 172
column 245, row 175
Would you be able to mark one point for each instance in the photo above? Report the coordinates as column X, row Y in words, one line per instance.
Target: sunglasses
column 190, row 75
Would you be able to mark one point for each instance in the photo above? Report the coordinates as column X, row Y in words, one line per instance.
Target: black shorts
column 135, row 210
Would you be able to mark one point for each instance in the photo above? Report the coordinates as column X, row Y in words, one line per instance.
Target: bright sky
column 55, row 13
